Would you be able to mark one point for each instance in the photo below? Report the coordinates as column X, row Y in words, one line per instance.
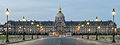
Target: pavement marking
column 60, row 41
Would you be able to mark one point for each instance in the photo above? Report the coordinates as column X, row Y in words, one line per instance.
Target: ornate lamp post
column 30, row 32
column 41, row 27
column 115, row 31
column 7, row 40
column 99, row 27
column 32, row 23
column 78, row 27
column 88, row 33
column 88, row 29
column 96, row 29
column 38, row 27
column 23, row 28
column 113, row 13
column 19, row 30
column 82, row 30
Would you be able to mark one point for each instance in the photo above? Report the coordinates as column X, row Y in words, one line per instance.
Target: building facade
column 60, row 25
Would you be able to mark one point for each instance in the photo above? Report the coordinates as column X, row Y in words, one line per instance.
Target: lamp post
column 41, row 28
column 19, row 31
column 38, row 27
column 78, row 29
column 7, row 40
column 82, row 30
column 88, row 33
column 32, row 23
column 88, row 29
column 96, row 29
column 115, row 31
column 31, row 32
column 113, row 13
column 23, row 28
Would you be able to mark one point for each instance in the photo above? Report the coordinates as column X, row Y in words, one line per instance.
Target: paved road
column 59, row 41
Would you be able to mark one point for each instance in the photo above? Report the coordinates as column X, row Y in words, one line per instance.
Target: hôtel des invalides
column 60, row 25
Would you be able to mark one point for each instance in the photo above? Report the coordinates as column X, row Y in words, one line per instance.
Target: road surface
column 59, row 41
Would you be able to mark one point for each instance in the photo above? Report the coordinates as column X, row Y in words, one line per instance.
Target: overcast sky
column 76, row 10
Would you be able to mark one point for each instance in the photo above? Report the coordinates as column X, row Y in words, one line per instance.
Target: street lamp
column 116, row 30
column 82, row 30
column 88, row 29
column 88, row 33
column 23, row 28
column 79, row 27
column 38, row 29
column 30, row 32
column 99, row 27
column 88, row 23
column 7, row 13
column 113, row 13
column 19, row 30
column 37, row 25
column 96, row 29
column 32, row 23
column 41, row 28
column 20, row 27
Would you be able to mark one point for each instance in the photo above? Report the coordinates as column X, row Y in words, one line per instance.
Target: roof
column 68, row 23
column 60, row 14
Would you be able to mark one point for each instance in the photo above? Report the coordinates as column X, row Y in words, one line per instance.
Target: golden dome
column 60, row 14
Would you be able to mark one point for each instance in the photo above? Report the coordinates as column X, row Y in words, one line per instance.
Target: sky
column 75, row 10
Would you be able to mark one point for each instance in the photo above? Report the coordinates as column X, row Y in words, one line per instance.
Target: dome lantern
column 60, row 16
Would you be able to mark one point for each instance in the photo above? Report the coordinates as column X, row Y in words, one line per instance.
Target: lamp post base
column 37, row 36
column 87, row 37
column 32, row 36
column 23, row 38
column 7, row 41
column 96, row 37
column 113, row 41
column 82, row 36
